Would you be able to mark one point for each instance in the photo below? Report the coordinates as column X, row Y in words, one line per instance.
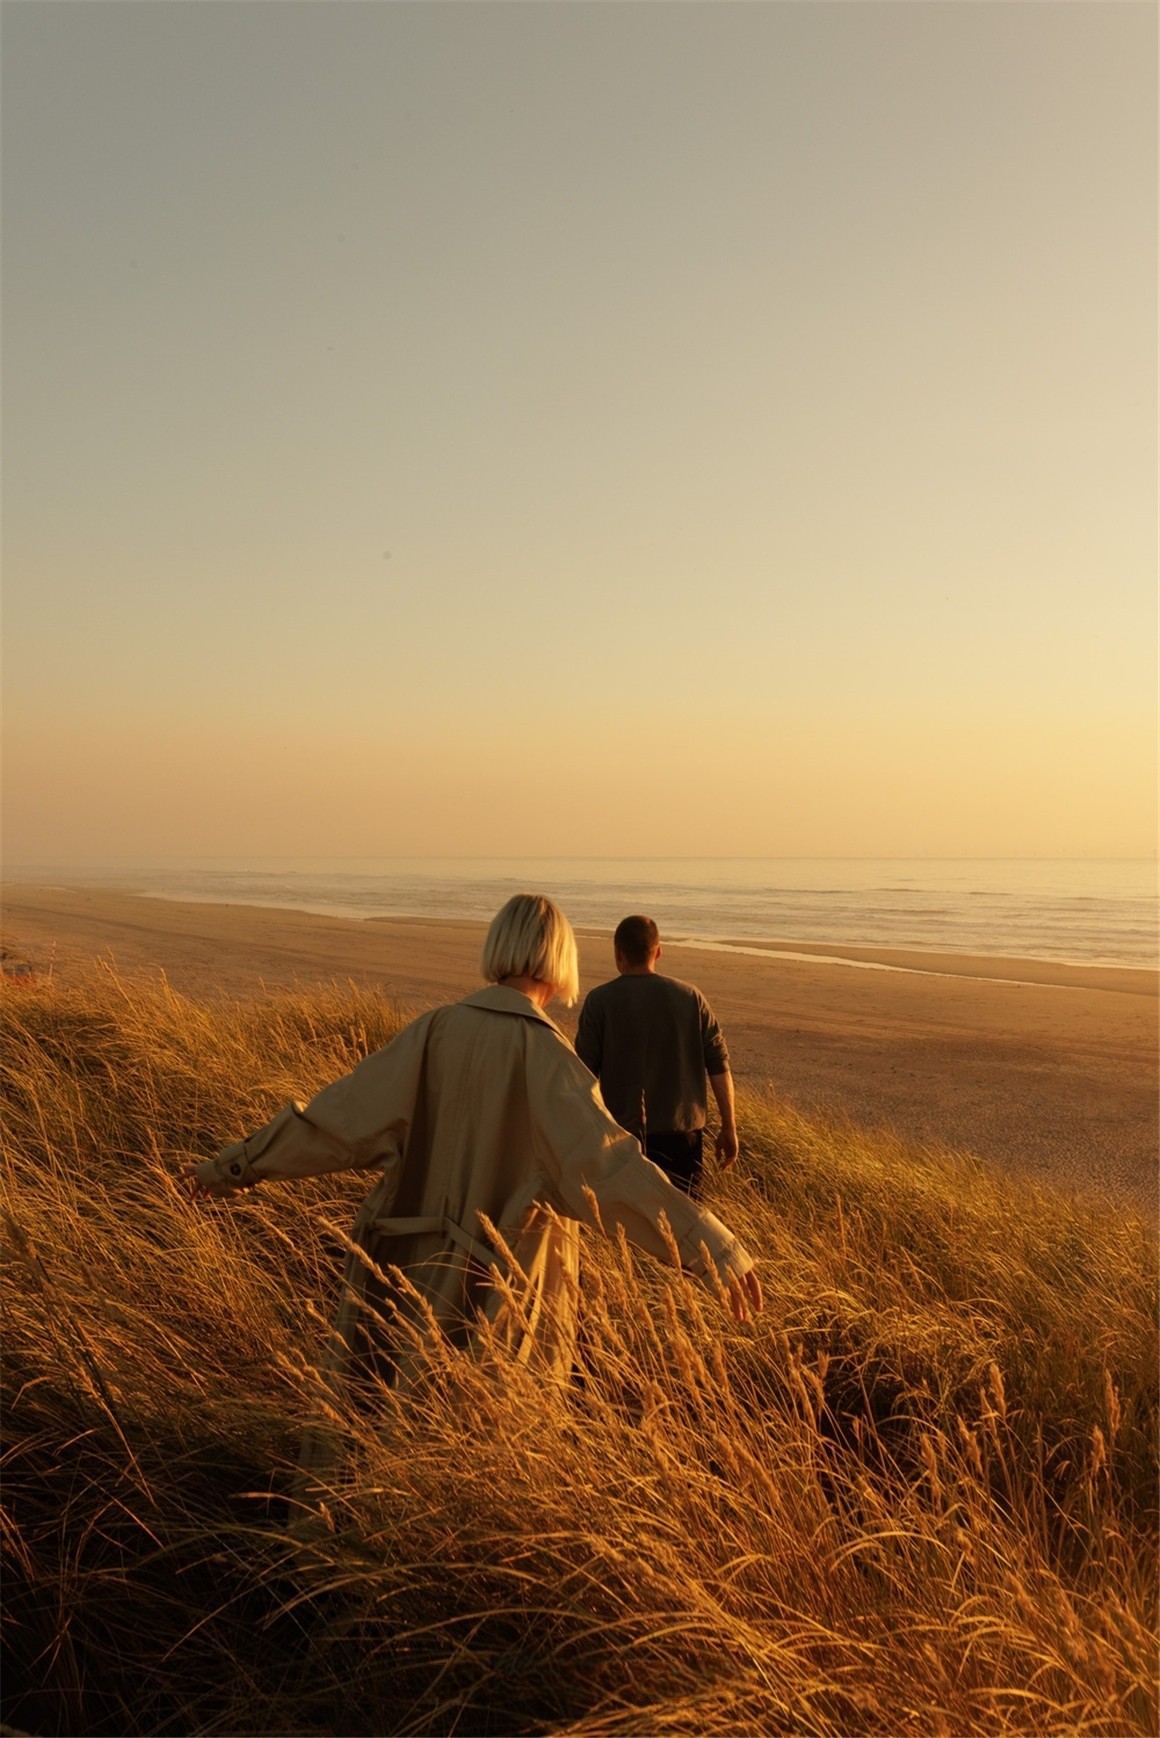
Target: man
column 653, row 1042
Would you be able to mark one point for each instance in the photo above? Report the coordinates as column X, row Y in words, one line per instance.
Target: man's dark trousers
column 679, row 1154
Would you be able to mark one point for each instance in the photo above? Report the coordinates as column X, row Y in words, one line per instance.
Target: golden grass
column 918, row 1495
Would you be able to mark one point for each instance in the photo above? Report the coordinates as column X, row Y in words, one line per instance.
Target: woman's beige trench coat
column 480, row 1108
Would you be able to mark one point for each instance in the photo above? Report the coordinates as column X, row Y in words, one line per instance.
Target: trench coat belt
column 446, row 1227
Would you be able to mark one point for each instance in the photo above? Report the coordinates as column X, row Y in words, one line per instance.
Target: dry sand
column 1049, row 1071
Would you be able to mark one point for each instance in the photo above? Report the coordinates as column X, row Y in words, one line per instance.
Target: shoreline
column 1141, row 980
column 949, row 963
column 993, row 1060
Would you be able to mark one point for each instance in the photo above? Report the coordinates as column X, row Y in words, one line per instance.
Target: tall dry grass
column 919, row 1495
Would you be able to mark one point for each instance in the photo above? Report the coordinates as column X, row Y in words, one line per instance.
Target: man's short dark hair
column 635, row 939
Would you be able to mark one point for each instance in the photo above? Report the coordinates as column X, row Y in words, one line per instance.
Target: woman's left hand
column 199, row 1187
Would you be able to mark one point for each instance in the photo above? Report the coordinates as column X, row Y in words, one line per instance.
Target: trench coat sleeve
column 361, row 1120
column 582, row 1149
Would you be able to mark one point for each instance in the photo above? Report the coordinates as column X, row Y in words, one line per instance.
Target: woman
column 481, row 1120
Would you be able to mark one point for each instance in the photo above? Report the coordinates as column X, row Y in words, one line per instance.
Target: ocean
column 1085, row 911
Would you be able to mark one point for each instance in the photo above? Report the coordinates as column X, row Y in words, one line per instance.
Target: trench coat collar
column 498, row 999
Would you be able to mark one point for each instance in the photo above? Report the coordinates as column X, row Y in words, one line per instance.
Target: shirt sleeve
column 713, row 1046
column 584, row 1151
column 361, row 1120
column 590, row 1035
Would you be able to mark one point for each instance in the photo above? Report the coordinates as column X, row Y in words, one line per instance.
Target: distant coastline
column 1140, row 980
column 872, row 912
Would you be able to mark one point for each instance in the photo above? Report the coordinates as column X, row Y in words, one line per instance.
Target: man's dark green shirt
column 651, row 1042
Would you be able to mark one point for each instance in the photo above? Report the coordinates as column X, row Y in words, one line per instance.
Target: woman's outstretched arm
column 361, row 1120
column 589, row 1156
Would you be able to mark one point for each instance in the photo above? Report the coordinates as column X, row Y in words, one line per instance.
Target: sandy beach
column 1047, row 1070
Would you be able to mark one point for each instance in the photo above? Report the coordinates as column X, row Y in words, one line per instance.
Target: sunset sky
column 579, row 428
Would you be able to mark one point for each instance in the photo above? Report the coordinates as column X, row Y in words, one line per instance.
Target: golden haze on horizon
column 555, row 785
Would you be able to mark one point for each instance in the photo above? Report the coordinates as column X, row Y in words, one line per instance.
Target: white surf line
column 835, row 959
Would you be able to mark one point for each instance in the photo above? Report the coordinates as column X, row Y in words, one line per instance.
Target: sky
column 582, row 429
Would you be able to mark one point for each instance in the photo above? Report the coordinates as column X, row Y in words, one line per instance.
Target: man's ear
column 659, row 952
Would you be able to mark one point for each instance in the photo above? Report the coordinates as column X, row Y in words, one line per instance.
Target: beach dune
column 1049, row 1071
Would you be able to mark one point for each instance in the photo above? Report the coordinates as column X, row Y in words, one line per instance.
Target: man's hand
column 727, row 1147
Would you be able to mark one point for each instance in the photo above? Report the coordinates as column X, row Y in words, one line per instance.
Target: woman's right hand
column 743, row 1294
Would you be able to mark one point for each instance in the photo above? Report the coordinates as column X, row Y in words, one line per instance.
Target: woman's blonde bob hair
column 531, row 938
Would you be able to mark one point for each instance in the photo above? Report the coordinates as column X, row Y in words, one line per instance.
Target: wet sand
column 1049, row 1071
